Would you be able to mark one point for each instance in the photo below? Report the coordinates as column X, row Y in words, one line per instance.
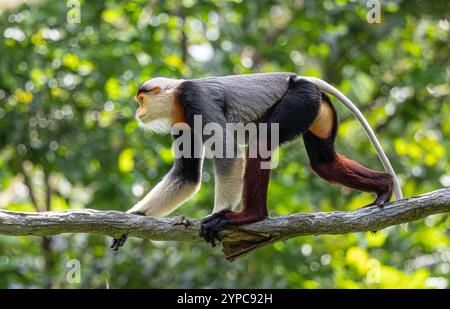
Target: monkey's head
column 156, row 103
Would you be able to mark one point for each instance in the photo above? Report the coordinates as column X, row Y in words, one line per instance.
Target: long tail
column 324, row 86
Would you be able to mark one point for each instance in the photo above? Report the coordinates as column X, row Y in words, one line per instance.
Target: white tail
column 324, row 86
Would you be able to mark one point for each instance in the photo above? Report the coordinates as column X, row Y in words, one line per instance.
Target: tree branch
column 237, row 241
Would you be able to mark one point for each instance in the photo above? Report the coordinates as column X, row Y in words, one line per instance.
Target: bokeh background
column 68, row 74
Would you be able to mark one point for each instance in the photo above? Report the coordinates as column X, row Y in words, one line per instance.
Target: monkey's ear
column 156, row 90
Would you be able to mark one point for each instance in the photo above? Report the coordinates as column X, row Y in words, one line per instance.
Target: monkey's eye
column 140, row 100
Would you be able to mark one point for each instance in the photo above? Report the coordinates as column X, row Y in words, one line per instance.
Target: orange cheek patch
column 323, row 124
column 178, row 112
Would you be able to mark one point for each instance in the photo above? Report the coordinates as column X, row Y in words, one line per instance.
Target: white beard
column 159, row 126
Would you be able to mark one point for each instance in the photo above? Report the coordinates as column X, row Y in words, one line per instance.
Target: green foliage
column 66, row 121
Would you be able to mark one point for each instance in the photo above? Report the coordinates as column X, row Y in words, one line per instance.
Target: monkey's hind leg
column 334, row 167
column 228, row 191
column 254, row 198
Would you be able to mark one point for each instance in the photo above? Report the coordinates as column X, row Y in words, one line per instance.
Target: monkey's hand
column 211, row 225
column 119, row 242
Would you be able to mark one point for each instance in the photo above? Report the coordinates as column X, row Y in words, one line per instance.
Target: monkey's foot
column 118, row 242
column 381, row 199
column 210, row 227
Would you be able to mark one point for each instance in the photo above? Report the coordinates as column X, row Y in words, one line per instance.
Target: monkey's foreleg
column 229, row 175
column 174, row 189
column 165, row 197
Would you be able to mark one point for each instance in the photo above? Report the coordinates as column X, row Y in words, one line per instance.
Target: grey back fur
column 246, row 97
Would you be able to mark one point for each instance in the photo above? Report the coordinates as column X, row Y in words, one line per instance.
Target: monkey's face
column 156, row 100
column 147, row 104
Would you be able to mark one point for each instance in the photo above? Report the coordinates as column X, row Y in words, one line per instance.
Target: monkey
column 299, row 106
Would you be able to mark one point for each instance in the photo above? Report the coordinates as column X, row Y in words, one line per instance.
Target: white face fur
column 157, row 105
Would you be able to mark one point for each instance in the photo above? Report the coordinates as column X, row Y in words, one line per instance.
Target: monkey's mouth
column 143, row 117
column 141, row 122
